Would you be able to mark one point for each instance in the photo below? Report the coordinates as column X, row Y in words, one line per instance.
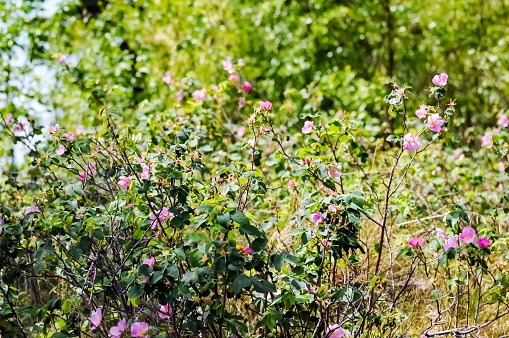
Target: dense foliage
column 254, row 169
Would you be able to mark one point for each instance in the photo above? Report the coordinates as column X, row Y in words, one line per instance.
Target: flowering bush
column 211, row 219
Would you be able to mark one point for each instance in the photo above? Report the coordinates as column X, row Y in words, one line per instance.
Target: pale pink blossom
column 165, row 311
column 19, row 127
column 167, row 78
column 422, row 112
column 125, row 182
column 90, row 168
column 265, row 105
column 487, row 139
column 335, row 331
column 31, row 209
column 215, row 88
column 145, row 174
column 160, row 217
column 228, row 65
column 62, row 58
column 333, row 208
column 441, row 233
column 69, row 137
column 335, row 172
column 316, row 218
column 308, row 127
column 180, row 95
column 411, row 142
column 451, row 242
column 325, row 242
column 240, row 131
column 440, row 80
column 246, row 87
column 242, row 102
column 415, row 242
column 395, row 101
column 457, row 152
column 80, row 129
column 116, row 331
column 61, row 150
column 200, row 95
column 233, row 78
column 139, row 329
column 96, row 318
column 483, row 242
column 54, row 129
column 503, row 120
column 8, row 119
column 467, row 236
column 311, row 289
column 501, row 167
column 435, row 123
column 150, row 261
column 291, row 183
column 82, row 176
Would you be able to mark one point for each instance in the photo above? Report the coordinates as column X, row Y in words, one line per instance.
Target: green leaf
column 239, row 217
column 135, row 291
column 223, row 219
column 241, row 282
column 262, row 286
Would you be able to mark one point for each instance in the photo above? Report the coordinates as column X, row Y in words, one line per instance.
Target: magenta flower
column 116, row 331
column 69, row 137
column 248, row 250
column 411, row 142
column 422, row 112
column 335, row 331
column 167, row 78
column 246, row 87
column 435, row 123
column 139, row 329
column 308, row 127
column 483, row 242
column 228, row 65
column 60, row 151
column 415, row 242
column 82, row 175
column 160, row 217
column 124, row 182
column 291, row 183
column 334, row 172
column 80, row 129
column 90, row 168
column 200, row 95
column 240, row 131
column 96, row 318
column 487, row 139
column 233, row 78
column 54, row 129
column 145, row 174
column 180, row 95
column 451, row 243
column 265, row 105
column 467, row 236
column 150, row 261
column 503, row 120
column 8, row 119
column 440, row 80
column 32, row 209
column 325, row 242
column 165, row 311
column 316, row 218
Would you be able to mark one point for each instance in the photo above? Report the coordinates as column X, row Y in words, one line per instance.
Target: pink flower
column 291, row 183
column 124, row 182
column 395, row 101
column 82, row 176
column 248, row 250
column 96, row 318
column 435, row 122
column 501, row 167
column 240, row 131
column 457, row 152
column 165, row 311
column 160, row 217
column 316, row 218
column 200, row 95
column 62, row 58
column 228, row 65
column 167, row 78
column 80, row 129
column 335, row 172
column 8, row 119
column 335, row 331
column 440, row 233
column 116, row 331
column 90, row 168
column 265, row 105
column 233, row 78
column 422, row 112
column 411, row 142
column 139, row 329
column 487, row 139
column 333, row 208
column 311, row 289
column 415, row 242
column 325, row 242
column 60, row 151
column 246, row 87
column 180, row 95
column 308, row 127
column 483, row 242
column 145, row 174
column 451, row 243
column 150, row 261
column 69, row 137
column 242, row 102
column 503, row 120
column 54, row 129
column 467, row 236
column 440, row 80
column 31, row 209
